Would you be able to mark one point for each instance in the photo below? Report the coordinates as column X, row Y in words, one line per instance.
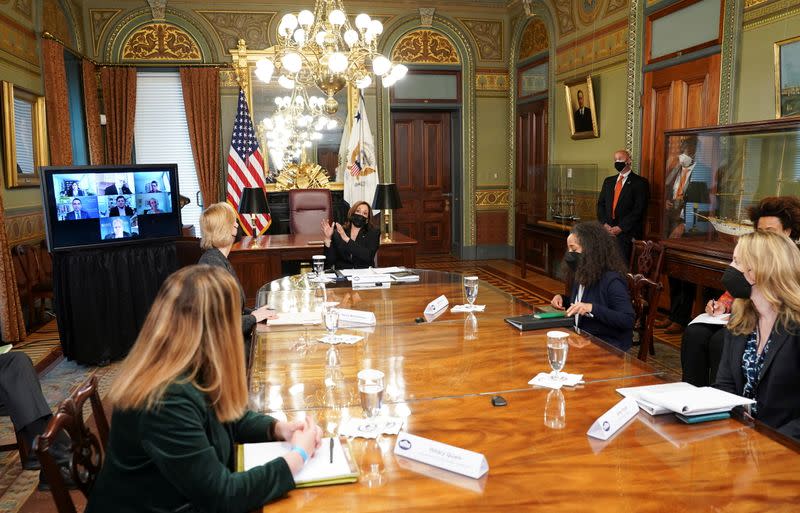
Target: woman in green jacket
column 180, row 403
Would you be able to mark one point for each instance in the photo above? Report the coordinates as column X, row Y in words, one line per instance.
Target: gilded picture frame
column 581, row 108
column 787, row 77
column 24, row 137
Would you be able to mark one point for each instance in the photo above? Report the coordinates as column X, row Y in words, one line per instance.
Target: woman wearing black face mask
column 761, row 354
column 599, row 298
column 354, row 245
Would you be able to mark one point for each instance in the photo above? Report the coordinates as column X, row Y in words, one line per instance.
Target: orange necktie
column 679, row 192
column 617, row 190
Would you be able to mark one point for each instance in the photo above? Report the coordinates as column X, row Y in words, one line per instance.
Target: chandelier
column 298, row 121
column 323, row 49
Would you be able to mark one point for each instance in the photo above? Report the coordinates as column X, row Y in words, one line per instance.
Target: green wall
column 755, row 82
column 491, row 126
column 609, row 90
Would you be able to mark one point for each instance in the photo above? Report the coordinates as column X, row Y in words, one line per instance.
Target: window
column 161, row 134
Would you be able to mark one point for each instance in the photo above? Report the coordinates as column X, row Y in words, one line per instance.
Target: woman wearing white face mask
column 761, row 355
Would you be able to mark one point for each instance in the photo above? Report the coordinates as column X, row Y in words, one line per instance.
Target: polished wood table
column 258, row 261
column 440, row 376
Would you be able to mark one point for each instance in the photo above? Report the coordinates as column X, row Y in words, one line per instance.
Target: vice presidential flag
column 360, row 177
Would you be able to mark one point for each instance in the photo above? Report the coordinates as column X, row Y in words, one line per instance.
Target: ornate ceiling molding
column 488, row 36
column 158, row 8
column 99, row 21
column 614, row 6
column 161, row 41
column 24, row 7
column 426, row 16
column 588, row 10
column 564, row 16
column 534, row 39
column 230, row 26
column 425, row 47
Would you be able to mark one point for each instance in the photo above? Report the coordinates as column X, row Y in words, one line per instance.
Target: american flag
column 245, row 166
column 355, row 167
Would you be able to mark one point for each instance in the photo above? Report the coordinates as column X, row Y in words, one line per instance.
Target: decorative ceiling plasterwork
column 614, row 6
column 488, row 36
column 566, row 21
column 54, row 20
column 24, row 7
column 588, row 10
column 607, row 47
column 492, row 198
column 161, row 41
column 491, row 81
column 157, row 7
column 230, row 26
column 534, row 39
column 752, row 3
column 425, row 47
column 99, row 20
column 758, row 14
column 426, row 16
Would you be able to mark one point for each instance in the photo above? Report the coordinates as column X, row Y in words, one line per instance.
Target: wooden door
column 681, row 96
column 421, row 168
column 531, row 178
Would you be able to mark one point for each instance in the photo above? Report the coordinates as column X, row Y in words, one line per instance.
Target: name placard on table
column 612, row 421
column 438, row 454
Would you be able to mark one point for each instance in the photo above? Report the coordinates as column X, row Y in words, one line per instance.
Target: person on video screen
column 154, row 187
column 153, row 204
column 75, row 190
column 77, row 211
column 121, row 208
column 119, row 230
column 121, row 187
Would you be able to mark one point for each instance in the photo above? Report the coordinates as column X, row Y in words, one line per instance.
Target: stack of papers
column 651, row 408
column 295, row 318
column 405, row 276
column 690, row 400
column 704, row 318
column 318, row 470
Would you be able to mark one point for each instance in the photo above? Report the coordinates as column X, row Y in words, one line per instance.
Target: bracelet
column 299, row 450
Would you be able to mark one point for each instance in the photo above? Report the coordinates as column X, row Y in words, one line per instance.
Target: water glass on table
column 471, row 289
column 318, row 263
column 331, row 318
column 370, row 389
column 557, row 348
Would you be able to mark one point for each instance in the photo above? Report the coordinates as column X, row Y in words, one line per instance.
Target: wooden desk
column 259, row 261
column 544, row 244
column 440, row 377
column 700, row 262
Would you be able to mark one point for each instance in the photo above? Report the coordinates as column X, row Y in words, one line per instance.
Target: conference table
column 440, row 377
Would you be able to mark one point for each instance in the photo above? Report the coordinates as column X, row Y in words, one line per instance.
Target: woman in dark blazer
column 599, row 301
column 219, row 225
column 761, row 355
column 180, row 404
column 354, row 245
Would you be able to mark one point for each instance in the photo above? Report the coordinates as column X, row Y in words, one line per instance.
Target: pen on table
column 331, row 445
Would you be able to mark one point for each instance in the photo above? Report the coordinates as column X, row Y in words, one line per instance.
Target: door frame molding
column 466, row 52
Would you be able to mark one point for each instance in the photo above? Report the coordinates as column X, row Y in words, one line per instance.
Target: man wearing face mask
column 679, row 214
column 622, row 204
column 354, row 245
column 761, row 354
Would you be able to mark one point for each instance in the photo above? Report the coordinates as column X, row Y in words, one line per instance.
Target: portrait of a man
column 581, row 108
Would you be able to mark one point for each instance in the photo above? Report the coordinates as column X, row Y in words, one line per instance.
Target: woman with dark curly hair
column 599, row 300
column 701, row 347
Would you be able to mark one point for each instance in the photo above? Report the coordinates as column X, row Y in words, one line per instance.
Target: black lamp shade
column 386, row 197
column 254, row 201
column 696, row 192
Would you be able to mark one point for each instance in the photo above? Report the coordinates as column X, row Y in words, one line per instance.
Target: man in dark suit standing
column 622, row 204
column 582, row 116
column 121, row 209
column 122, row 189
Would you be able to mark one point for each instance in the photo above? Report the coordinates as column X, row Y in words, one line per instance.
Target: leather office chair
column 307, row 209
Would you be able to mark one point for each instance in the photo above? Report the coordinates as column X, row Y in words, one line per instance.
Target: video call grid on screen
column 111, row 202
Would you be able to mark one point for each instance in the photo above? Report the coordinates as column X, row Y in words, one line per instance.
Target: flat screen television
column 107, row 205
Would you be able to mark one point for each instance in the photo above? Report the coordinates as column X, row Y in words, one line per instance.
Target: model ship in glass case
column 572, row 192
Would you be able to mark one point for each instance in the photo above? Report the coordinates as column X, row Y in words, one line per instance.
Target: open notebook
column 318, row 470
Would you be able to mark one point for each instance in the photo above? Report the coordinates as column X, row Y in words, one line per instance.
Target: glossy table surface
column 440, row 376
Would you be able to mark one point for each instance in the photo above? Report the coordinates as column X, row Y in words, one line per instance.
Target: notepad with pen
column 325, row 467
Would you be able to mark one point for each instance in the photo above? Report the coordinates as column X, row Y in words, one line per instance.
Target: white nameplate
column 437, row 305
column 454, row 459
column 614, row 419
column 356, row 317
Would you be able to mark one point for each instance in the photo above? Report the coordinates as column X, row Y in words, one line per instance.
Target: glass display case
column 713, row 175
column 572, row 191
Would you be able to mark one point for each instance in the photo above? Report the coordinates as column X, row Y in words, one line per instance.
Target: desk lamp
column 696, row 192
column 386, row 199
column 254, row 202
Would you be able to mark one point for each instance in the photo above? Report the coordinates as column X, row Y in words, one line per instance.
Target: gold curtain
column 57, row 103
column 201, row 102
column 91, row 101
column 12, row 321
column 119, row 98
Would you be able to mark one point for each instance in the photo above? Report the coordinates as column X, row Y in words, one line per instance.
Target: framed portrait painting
column 787, row 77
column 24, row 136
column 581, row 109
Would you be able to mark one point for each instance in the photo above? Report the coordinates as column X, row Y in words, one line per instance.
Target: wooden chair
column 644, row 294
column 87, row 448
column 37, row 269
column 647, row 259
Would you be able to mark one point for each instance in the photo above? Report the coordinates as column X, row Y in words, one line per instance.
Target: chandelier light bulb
column 299, row 37
column 268, row 124
column 399, row 71
column 363, row 21
column 320, row 37
column 364, row 82
column 286, row 82
column 369, row 36
column 283, row 30
column 336, row 17
column 337, row 62
column 290, row 21
column 331, row 124
column 381, row 65
column 286, row 101
column 292, row 62
column 264, row 74
column 306, row 144
column 376, row 27
column 350, row 37
column 388, row 81
column 305, row 17
column 299, row 100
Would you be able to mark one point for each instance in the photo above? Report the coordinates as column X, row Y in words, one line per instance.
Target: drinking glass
column 331, row 316
column 557, row 348
column 470, row 327
column 318, row 263
column 471, row 289
column 555, row 410
column 370, row 388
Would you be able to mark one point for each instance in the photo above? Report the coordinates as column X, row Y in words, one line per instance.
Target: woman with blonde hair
column 761, row 354
column 180, row 403
column 219, row 224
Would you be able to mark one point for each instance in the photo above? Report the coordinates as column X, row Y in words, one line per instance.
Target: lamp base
column 387, row 226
